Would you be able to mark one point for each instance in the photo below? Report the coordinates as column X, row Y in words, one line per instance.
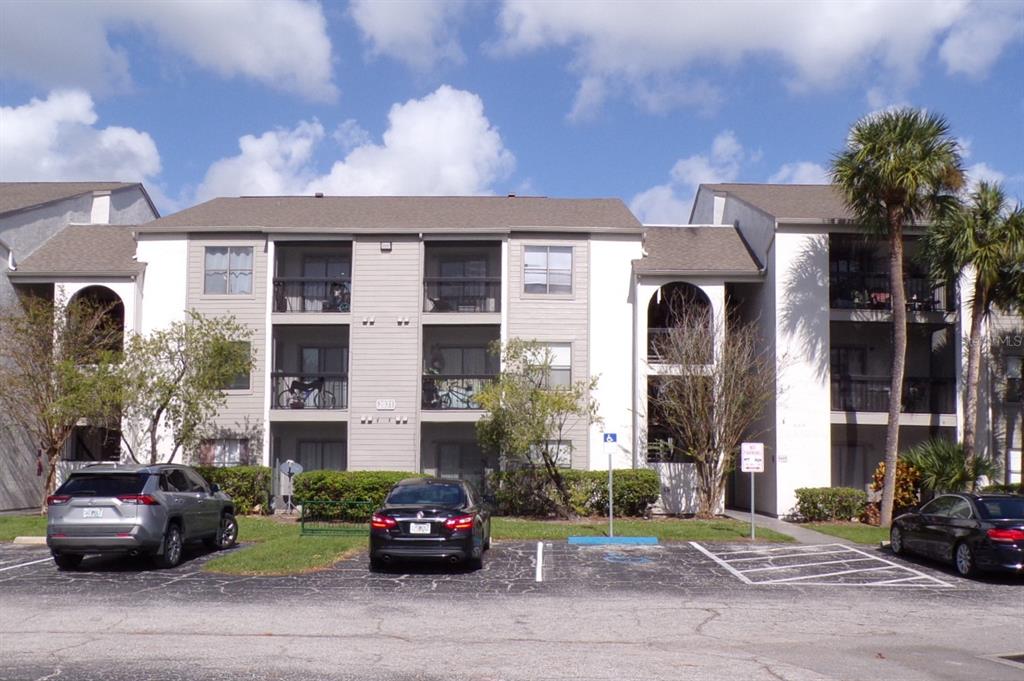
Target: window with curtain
column 227, row 270
column 561, row 450
column 241, row 381
column 224, row 452
column 559, row 373
column 315, row 455
column 547, row 269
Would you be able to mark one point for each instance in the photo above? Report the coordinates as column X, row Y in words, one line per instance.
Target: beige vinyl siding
column 385, row 356
column 243, row 411
column 555, row 318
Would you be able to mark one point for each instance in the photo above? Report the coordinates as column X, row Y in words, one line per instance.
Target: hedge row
column 371, row 486
column 830, row 503
column 529, row 492
column 1009, row 488
column 248, row 486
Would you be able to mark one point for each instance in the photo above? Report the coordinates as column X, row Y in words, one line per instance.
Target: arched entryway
column 667, row 307
column 102, row 298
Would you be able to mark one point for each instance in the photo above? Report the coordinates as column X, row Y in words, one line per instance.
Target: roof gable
column 17, row 196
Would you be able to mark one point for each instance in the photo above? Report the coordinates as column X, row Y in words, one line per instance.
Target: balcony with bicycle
column 462, row 277
column 309, row 377
column 312, row 278
column 458, row 362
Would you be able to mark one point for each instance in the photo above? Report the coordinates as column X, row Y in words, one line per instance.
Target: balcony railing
column 312, row 294
column 920, row 395
column 302, row 390
column 454, row 391
column 462, row 294
column 871, row 291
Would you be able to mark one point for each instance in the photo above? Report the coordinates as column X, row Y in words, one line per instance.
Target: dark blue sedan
column 974, row 532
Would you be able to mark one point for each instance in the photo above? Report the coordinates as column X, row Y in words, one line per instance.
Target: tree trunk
column 898, row 298
column 973, row 373
column 52, row 459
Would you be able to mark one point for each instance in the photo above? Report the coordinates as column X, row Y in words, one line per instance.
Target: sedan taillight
column 382, row 522
column 1001, row 534
column 460, row 522
column 57, row 499
column 138, row 499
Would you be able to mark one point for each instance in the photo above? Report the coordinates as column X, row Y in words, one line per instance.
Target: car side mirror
column 214, row 488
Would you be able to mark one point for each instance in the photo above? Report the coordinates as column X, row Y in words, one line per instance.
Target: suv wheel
column 171, row 555
column 226, row 535
column 67, row 561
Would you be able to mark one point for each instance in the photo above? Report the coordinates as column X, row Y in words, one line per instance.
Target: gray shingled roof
column 398, row 214
column 15, row 196
column 84, row 250
column 798, row 201
column 696, row 250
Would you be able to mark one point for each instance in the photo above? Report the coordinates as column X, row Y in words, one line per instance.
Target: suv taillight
column 382, row 522
column 138, row 499
column 1000, row 534
column 57, row 499
column 460, row 522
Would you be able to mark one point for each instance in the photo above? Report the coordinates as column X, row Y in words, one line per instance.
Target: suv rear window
column 107, row 485
column 444, row 495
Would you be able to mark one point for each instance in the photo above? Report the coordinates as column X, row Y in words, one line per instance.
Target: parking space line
column 803, row 565
column 903, row 567
column 827, row 574
column 32, row 562
column 789, row 555
column 540, row 562
column 721, row 562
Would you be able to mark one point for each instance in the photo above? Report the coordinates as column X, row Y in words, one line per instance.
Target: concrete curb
column 30, row 541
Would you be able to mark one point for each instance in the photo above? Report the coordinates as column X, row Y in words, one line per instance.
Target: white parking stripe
column 32, row 562
column 789, row 555
column 720, row 562
column 540, row 562
column 803, row 565
column 903, row 567
column 827, row 574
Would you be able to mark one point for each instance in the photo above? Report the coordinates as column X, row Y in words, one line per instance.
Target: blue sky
column 640, row 101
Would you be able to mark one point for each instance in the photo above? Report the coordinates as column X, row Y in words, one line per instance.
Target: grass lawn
column 280, row 550
column 665, row 530
column 12, row 526
column 855, row 532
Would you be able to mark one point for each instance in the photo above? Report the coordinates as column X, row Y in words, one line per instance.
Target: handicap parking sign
column 610, row 437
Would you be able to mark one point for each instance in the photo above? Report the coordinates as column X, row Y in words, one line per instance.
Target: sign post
column 610, row 442
column 752, row 461
column 290, row 469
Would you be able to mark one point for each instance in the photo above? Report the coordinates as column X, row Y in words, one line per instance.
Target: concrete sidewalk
column 799, row 532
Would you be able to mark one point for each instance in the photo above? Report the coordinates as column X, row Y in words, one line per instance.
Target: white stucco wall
column 124, row 288
column 802, row 455
column 611, row 345
column 164, row 286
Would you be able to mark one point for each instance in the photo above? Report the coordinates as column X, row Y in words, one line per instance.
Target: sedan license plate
column 419, row 528
column 92, row 512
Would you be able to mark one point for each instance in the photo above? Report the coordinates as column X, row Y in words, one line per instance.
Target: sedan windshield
column 1002, row 508
column 103, row 485
column 415, row 495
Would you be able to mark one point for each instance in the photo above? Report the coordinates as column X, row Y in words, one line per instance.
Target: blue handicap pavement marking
column 597, row 541
column 625, row 559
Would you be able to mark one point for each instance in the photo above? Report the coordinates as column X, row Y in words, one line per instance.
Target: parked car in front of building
column 430, row 518
column 112, row 509
column 974, row 532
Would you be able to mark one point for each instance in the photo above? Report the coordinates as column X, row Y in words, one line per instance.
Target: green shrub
column 248, row 486
column 1009, row 488
column 942, row 466
column 905, row 498
column 371, row 486
column 529, row 492
column 830, row 503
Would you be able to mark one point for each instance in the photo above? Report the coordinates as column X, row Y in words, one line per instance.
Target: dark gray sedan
column 972, row 531
column 132, row 510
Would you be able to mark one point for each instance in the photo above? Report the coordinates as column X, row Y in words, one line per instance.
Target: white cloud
column 419, row 33
column 349, row 135
column 57, row 139
column 440, row 144
column 800, row 172
column 670, row 203
column 975, row 43
column 821, row 44
column 982, row 172
column 282, row 44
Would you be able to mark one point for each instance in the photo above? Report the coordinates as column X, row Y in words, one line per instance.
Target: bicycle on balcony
column 298, row 394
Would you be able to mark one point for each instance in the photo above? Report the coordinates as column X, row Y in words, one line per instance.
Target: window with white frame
column 560, row 370
column 241, row 381
column 227, row 270
column 559, row 450
column 547, row 269
column 224, row 452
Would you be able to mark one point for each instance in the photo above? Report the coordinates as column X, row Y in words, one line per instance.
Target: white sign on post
column 752, row 457
column 752, row 461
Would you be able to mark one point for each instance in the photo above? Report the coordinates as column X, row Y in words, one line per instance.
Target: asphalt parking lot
column 511, row 568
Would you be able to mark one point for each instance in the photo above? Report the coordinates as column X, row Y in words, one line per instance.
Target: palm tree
column 899, row 168
column 983, row 238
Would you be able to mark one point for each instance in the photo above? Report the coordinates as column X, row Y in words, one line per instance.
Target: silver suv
column 133, row 509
